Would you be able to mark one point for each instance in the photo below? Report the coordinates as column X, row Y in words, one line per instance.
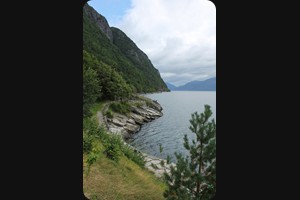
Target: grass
column 97, row 106
column 147, row 100
column 107, row 179
column 120, row 107
column 124, row 180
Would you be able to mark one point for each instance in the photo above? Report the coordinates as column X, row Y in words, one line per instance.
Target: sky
column 178, row 36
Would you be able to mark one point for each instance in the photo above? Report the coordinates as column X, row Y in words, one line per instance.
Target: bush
column 113, row 146
column 122, row 108
column 138, row 104
column 133, row 155
column 91, row 128
column 109, row 114
column 87, row 143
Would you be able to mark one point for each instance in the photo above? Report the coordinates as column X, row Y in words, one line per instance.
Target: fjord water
column 170, row 129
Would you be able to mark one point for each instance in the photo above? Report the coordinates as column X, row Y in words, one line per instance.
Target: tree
column 91, row 88
column 194, row 176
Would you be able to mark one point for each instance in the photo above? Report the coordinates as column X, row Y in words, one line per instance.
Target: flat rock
column 160, row 169
column 131, row 121
column 137, row 118
column 117, row 130
column 153, row 113
column 139, row 111
column 117, row 122
column 131, row 128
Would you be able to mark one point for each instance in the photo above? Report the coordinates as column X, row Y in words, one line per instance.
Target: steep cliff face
column 137, row 57
column 99, row 20
column 112, row 47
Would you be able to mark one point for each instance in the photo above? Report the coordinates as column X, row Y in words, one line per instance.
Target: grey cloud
column 178, row 36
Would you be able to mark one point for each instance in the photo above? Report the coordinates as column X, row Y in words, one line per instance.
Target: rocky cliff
column 99, row 20
column 137, row 57
column 126, row 125
column 112, row 47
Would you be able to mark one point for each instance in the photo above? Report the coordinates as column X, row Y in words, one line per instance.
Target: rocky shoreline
column 127, row 125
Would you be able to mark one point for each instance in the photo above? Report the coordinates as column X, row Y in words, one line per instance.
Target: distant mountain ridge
column 171, row 86
column 206, row 85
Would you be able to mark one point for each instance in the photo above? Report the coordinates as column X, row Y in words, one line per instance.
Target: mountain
column 206, row 85
column 115, row 49
column 171, row 86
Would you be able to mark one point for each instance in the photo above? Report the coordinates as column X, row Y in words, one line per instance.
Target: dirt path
column 100, row 116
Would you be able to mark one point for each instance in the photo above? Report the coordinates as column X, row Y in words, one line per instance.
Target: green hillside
column 114, row 68
column 151, row 80
column 121, row 54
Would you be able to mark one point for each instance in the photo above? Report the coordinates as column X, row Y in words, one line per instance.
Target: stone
column 137, row 118
column 153, row 113
column 139, row 111
column 131, row 121
column 131, row 128
column 99, row 20
column 117, row 122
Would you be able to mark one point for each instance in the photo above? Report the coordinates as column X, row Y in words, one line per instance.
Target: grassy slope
column 123, row 180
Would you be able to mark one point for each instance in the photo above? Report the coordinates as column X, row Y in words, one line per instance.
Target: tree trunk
column 200, row 167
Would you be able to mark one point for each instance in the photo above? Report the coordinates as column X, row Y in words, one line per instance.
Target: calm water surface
column 170, row 129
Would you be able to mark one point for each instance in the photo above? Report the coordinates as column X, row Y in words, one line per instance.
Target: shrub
column 109, row 114
column 133, row 155
column 91, row 127
column 122, row 108
column 138, row 104
column 113, row 146
column 87, row 143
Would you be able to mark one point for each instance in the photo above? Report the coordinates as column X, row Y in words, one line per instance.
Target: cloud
column 178, row 36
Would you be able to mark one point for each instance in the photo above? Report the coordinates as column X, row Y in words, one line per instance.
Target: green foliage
column 140, row 76
column 112, row 85
column 149, row 102
column 120, row 107
column 91, row 128
column 91, row 132
column 150, row 76
column 95, row 136
column 168, row 159
column 160, row 148
column 133, row 155
column 113, row 146
column 91, row 88
column 138, row 104
column 92, row 157
column 87, row 143
column 195, row 176
column 109, row 114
